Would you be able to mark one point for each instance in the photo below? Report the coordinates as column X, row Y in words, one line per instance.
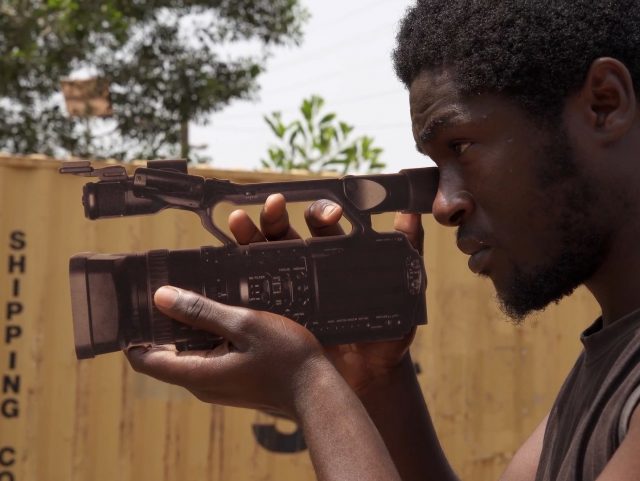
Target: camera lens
column 112, row 300
column 94, row 302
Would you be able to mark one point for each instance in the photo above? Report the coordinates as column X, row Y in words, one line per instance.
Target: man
column 529, row 110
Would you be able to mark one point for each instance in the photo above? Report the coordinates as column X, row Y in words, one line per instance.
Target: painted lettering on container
column 10, row 378
column 7, row 460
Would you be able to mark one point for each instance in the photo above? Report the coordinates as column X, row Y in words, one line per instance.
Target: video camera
column 363, row 286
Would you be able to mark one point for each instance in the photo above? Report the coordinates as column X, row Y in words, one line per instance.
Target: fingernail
column 328, row 209
column 137, row 350
column 166, row 296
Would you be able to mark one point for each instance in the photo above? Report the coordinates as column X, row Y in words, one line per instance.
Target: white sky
column 345, row 58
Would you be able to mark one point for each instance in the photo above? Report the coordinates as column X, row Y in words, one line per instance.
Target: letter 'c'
column 7, row 456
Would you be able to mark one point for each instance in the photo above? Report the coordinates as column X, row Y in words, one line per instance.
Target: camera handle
column 166, row 184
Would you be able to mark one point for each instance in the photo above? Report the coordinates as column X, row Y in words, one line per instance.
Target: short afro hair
column 536, row 52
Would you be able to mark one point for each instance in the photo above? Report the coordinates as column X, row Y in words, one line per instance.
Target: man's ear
column 608, row 99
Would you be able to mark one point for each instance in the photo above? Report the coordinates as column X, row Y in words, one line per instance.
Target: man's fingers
column 411, row 226
column 200, row 312
column 168, row 365
column 274, row 219
column 322, row 218
column 243, row 228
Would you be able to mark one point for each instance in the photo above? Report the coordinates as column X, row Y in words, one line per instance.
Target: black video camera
column 364, row 286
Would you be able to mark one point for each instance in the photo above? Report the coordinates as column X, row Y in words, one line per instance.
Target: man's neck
column 616, row 284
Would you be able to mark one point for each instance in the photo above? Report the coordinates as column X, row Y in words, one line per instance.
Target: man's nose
column 452, row 207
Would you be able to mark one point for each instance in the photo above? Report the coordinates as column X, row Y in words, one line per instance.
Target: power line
column 332, row 73
column 353, row 40
column 334, row 103
column 385, row 126
column 245, row 129
column 385, row 93
column 351, row 13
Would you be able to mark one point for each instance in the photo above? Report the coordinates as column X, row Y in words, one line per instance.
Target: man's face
column 526, row 213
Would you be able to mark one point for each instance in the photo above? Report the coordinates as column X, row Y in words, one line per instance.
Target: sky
column 345, row 57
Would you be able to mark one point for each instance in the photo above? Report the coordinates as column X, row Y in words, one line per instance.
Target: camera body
column 365, row 286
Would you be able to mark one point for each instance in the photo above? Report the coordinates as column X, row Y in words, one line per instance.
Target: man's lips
column 478, row 250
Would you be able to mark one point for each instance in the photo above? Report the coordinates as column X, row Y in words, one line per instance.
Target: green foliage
column 318, row 143
column 161, row 57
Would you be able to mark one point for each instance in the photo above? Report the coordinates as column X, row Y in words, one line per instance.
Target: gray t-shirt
column 591, row 414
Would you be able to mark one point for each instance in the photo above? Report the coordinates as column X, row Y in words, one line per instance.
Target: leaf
column 327, row 118
column 336, row 161
column 345, row 128
column 317, row 103
column 307, row 110
column 299, row 128
column 275, row 124
column 302, row 152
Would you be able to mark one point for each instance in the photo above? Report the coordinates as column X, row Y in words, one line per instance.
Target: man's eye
column 460, row 147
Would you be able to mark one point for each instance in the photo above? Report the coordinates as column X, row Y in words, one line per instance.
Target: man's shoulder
column 584, row 427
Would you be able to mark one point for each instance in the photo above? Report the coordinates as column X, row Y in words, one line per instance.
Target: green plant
column 319, row 142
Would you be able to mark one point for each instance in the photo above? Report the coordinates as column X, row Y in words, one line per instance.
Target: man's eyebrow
column 435, row 125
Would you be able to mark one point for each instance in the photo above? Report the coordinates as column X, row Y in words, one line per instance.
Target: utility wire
column 256, row 128
column 245, row 129
column 287, row 88
column 327, row 50
column 351, row 13
column 334, row 103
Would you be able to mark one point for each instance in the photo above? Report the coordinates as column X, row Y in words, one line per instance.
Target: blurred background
column 137, row 80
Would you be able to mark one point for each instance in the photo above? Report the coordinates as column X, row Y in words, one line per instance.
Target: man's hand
column 360, row 364
column 266, row 361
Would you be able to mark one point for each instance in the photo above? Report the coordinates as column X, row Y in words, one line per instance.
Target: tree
column 161, row 57
column 316, row 143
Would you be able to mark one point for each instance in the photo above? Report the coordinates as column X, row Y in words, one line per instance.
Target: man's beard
column 582, row 241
